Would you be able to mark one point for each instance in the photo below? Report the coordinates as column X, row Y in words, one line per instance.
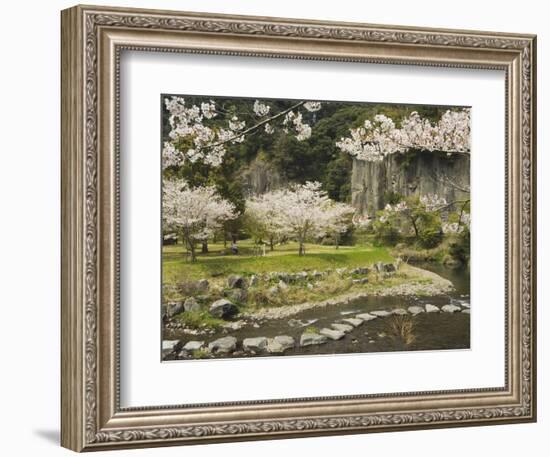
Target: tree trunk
column 191, row 249
column 271, row 243
column 204, row 249
column 302, row 248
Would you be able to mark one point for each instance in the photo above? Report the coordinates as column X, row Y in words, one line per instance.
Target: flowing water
column 431, row 331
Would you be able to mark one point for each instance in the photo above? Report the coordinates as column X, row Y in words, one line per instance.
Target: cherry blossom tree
column 202, row 133
column 301, row 211
column 339, row 217
column 261, row 218
column 194, row 213
column 380, row 137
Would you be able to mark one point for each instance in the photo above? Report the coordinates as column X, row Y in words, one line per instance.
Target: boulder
column 382, row 267
column 191, row 304
column 414, row 310
column 274, row 290
column 381, row 313
column 255, row 344
column 400, row 311
column 236, row 282
column 202, row 285
column 360, row 271
column 169, row 346
column 432, row 309
column 238, row 295
column 366, row 317
column 466, row 311
column 282, row 285
column 353, row 321
column 332, row 334
column 223, row 345
column 223, row 309
column 253, row 280
column 360, row 281
column 346, row 328
column 309, row 339
column 465, row 305
column 450, row 308
column 173, row 308
column 191, row 346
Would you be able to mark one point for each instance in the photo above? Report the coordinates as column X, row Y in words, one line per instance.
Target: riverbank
column 415, row 282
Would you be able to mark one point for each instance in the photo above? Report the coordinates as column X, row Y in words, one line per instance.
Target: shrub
column 386, row 232
column 459, row 247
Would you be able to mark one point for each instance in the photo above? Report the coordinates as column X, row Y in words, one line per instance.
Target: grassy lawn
column 176, row 266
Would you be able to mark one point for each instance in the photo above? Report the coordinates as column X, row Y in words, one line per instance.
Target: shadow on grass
column 214, row 264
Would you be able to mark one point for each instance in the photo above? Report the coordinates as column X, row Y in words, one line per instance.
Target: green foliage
column 311, row 329
column 459, row 247
column 392, row 198
column 199, row 319
column 386, row 232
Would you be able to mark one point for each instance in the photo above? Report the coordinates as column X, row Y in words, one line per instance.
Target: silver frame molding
column 92, row 40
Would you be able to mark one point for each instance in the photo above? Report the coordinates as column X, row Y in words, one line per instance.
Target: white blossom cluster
column 260, row 109
column 378, row 138
column 303, row 131
column 452, row 227
column 194, row 212
column 433, row 202
column 312, row 106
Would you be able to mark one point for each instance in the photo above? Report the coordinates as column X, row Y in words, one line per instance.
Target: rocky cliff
column 260, row 177
column 415, row 173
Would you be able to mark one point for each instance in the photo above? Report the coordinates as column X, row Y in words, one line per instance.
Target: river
column 431, row 331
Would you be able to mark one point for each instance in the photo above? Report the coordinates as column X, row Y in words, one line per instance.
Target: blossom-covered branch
column 196, row 137
column 380, row 137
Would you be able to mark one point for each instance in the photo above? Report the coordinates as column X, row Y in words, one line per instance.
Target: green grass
column 199, row 319
column 177, row 267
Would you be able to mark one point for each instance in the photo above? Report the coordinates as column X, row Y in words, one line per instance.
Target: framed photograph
column 276, row 228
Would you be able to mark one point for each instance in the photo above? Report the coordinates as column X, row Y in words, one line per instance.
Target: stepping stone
column 332, row 334
column 287, row 342
column 381, row 313
column 353, row 321
column 255, row 344
column 346, row 328
column 309, row 339
column 223, row 345
column 466, row 311
column 372, row 341
column 400, row 311
column 191, row 346
column 169, row 346
column 450, row 308
column 366, row 317
column 432, row 309
column 414, row 310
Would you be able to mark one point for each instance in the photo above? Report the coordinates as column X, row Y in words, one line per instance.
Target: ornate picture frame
column 92, row 41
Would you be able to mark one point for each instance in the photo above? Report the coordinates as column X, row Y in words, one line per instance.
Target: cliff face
column 417, row 173
column 260, row 177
